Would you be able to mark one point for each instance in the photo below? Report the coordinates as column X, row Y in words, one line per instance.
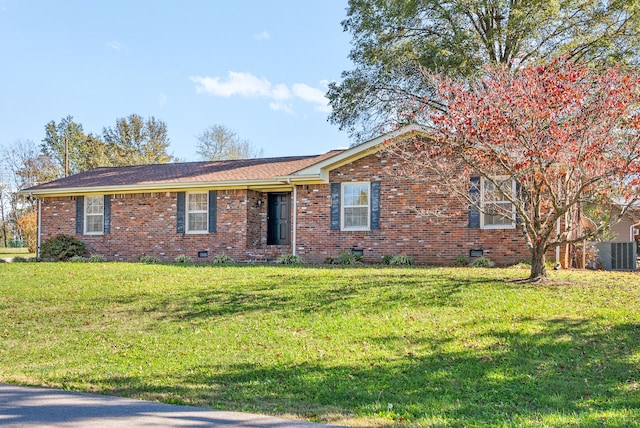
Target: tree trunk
column 538, row 266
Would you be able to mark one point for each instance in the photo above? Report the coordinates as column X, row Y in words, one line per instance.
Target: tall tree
column 64, row 144
column 136, row 141
column 218, row 142
column 395, row 41
column 27, row 165
column 4, row 209
column 533, row 147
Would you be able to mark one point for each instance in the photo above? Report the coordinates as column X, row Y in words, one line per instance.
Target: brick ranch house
column 258, row 209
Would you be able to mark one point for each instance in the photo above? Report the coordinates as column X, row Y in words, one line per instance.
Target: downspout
column 295, row 219
column 558, row 231
column 39, row 228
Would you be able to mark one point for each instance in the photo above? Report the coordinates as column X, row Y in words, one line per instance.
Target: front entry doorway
column 279, row 219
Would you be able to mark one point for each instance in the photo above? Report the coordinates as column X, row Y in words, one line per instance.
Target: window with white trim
column 497, row 212
column 355, row 206
column 94, row 215
column 197, row 207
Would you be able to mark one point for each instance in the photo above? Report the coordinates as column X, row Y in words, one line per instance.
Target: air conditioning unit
column 618, row 255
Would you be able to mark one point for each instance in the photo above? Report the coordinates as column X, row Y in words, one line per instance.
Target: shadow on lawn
column 340, row 294
column 299, row 293
column 579, row 372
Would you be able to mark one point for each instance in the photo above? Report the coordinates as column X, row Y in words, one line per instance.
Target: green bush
column 347, row 257
column 462, row 260
column 386, row 259
column 93, row 258
column 183, row 259
column 61, row 247
column 401, row 261
column 222, row 259
column 20, row 259
column 290, row 259
column 149, row 259
column 482, row 262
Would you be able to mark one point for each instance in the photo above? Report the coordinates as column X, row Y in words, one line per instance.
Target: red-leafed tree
column 529, row 149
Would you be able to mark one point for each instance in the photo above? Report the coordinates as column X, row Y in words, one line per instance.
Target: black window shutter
column 180, row 214
column 375, row 205
column 107, row 214
column 335, row 206
column 79, row 215
column 213, row 214
column 474, row 192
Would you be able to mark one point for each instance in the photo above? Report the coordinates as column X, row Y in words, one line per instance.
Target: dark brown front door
column 279, row 219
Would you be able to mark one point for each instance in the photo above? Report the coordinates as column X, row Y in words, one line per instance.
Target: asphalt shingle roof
column 186, row 173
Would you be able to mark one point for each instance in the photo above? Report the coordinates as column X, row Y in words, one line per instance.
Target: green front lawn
column 362, row 347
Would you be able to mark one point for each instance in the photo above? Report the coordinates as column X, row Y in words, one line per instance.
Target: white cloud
column 250, row 86
column 162, row 99
column 115, row 45
column 245, row 84
column 262, row 36
column 278, row 106
column 281, row 92
column 312, row 95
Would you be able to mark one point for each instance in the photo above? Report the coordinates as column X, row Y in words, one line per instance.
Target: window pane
column 498, row 214
column 93, row 214
column 198, row 201
column 355, row 205
column 94, row 204
column 198, row 222
column 356, row 194
column 493, row 193
column 94, row 224
column 197, row 212
column 356, row 217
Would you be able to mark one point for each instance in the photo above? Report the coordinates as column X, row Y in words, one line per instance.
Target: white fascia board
column 303, row 179
column 164, row 187
column 322, row 168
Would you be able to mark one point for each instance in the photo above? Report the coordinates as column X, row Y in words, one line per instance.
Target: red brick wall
column 404, row 227
column 146, row 224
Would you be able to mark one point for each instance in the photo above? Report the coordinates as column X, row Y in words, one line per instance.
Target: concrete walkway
column 23, row 407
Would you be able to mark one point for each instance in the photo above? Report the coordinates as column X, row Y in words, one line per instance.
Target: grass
column 434, row 347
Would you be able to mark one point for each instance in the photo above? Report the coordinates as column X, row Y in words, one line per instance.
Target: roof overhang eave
column 160, row 187
column 318, row 178
column 358, row 152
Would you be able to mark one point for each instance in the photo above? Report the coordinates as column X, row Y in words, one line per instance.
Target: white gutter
column 295, row 218
column 39, row 228
column 558, row 231
column 164, row 187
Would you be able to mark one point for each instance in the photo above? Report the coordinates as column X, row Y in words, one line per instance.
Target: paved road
column 23, row 407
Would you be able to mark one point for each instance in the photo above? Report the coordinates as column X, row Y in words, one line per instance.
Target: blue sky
column 258, row 67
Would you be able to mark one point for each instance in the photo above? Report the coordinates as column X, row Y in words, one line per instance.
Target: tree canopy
column 136, row 141
column 396, row 41
column 218, row 142
column 545, row 141
column 132, row 141
column 64, row 145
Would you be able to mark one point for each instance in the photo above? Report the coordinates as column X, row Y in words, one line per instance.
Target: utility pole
column 66, row 156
